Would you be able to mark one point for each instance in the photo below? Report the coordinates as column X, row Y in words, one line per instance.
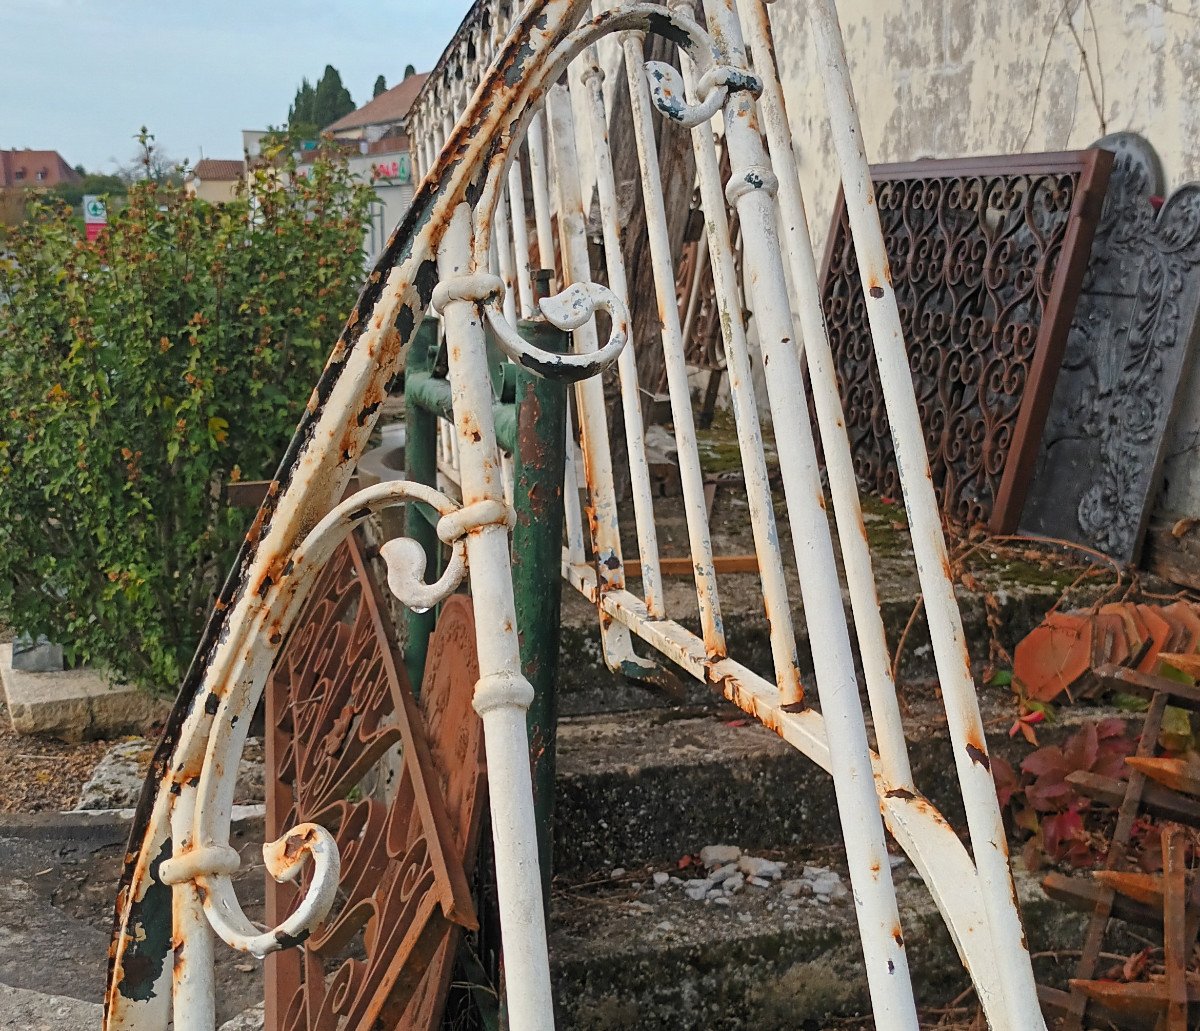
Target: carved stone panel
column 986, row 257
column 1129, row 348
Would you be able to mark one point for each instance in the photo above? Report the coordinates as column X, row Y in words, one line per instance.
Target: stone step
column 587, row 686
column 652, row 957
column 647, row 783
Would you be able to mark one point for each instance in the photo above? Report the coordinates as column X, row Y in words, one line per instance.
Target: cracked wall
column 959, row 79
column 952, row 78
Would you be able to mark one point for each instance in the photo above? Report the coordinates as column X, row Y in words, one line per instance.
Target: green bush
column 140, row 374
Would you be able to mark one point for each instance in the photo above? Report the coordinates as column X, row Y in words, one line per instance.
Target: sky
column 81, row 76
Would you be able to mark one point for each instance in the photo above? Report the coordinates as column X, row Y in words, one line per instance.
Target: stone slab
column 654, row 785
column 25, row 1010
column 37, row 656
column 631, row 953
column 116, row 782
column 58, row 882
column 76, row 704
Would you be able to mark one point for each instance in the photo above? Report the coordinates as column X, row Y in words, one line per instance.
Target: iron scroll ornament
column 265, row 589
column 987, row 255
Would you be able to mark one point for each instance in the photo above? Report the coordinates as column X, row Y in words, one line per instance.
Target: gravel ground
column 39, row 774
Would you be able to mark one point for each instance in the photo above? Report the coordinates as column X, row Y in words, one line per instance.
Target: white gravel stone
column 661, row 878
column 753, row 866
column 719, row 855
column 697, row 889
column 618, row 873
column 721, row 901
column 734, row 884
column 758, row 882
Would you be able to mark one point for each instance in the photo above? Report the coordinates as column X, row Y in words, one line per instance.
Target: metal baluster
column 502, row 695
column 589, row 393
column 695, row 510
column 852, row 533
column 745, row 406
column 984, row 822
column 750, row 186
column 631, row 406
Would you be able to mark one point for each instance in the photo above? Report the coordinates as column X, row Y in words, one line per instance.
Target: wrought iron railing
column 464, row 248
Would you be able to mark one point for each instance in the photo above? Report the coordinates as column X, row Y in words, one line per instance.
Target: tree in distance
column 315, row 107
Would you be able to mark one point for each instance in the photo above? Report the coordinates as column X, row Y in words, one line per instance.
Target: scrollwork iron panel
column 339, row 707
column 1130, row 347
column 986, row 257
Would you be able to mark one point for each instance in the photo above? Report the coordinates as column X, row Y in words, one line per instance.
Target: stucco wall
column 215, row 191
column 952, row 78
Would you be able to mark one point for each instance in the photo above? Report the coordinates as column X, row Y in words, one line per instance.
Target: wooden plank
column 1182, row 696
column 1174, row 558
column 1083, row 894
column 1176, row 947
column 1156, row 800
column 1176, row 774
column 682, row 566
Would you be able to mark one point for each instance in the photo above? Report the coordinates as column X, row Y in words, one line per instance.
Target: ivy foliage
column 141, row 373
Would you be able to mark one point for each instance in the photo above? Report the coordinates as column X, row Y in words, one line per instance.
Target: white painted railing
column 466, row 247
column 567, row 152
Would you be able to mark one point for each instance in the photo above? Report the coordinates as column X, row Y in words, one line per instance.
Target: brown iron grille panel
column 986, row 255
column 339, row 708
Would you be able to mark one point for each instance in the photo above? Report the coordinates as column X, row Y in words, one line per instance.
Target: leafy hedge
column 141, row 373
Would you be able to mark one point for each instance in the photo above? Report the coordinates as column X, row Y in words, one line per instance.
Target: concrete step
column 1009, row 600
column 652, row 957
column 650, row 783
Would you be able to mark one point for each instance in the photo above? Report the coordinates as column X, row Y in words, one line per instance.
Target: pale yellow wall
column 949, row 78
column 215, row 191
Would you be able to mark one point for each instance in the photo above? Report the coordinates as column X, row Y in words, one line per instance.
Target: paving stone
column 25, row 1010
column 75, row 704
column 116, row 782
column 248, row 1020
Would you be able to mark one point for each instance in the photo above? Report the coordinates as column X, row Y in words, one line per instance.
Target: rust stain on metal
column 978, row 755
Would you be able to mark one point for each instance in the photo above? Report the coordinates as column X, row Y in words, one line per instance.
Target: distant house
column 21, row 168
column 215, row 179
column 380, row 129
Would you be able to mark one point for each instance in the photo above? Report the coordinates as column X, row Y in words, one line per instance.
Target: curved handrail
column 207, row 727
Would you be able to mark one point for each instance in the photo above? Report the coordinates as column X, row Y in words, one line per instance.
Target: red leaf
column 1005, row 777
column 1082, row 747
column 1059, row 830
column 1046, row 760
column 1050, row 797
column 1111, row 727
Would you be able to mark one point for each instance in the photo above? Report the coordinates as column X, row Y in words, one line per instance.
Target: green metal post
column 420, row 465
column 538, row 463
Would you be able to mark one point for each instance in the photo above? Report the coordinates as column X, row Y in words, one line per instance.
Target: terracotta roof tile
column 390, row 106
column 218, row 170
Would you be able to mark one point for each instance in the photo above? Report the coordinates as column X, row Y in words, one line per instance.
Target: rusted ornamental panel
column 339, row 705
column 987, row 257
